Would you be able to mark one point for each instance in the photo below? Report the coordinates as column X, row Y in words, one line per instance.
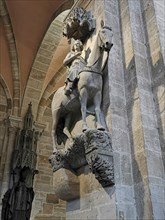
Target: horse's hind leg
column 83, row 101
column 54, row 137
column 55, row 116
column 97, row 103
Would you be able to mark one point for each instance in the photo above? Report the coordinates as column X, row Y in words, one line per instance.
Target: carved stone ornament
column 24, row 154
column 17, row 201
column 93, row 147
column 79, row 24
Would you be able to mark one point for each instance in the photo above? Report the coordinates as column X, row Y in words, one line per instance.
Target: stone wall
column 46, row 205
column 124, row 192
column 143, row 114
column 95, row 201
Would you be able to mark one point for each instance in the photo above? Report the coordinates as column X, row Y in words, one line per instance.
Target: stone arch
column 13, row 56
column 42, row 61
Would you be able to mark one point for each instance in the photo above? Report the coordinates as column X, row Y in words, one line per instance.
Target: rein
column 90, row 71
column 94, row 62
column 90, row 67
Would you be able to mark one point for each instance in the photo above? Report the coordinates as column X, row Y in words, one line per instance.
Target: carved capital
column 12, row 130
column 14, row 121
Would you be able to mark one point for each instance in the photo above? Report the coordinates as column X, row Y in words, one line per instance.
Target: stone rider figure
column 75, row 63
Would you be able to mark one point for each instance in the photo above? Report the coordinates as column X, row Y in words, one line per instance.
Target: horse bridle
column 90, row 67
column 106, row 27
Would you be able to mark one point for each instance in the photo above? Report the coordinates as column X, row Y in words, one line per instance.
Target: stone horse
column 89, row 89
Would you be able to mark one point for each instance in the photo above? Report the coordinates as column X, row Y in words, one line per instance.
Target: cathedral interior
column 32, row 50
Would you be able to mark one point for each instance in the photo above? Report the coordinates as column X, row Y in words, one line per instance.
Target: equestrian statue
column 83, row 87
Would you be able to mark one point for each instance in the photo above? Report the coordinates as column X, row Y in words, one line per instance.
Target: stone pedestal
column 95, row 202
column 85, row 196
column 84, row 176
column 66, row 185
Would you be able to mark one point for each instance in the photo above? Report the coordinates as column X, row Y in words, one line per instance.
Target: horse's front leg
column 97, row 103
column 83, row 101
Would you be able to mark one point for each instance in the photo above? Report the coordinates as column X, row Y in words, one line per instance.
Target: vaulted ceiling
column 32, row 49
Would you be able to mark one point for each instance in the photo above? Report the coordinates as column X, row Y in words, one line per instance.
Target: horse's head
column 105, row 38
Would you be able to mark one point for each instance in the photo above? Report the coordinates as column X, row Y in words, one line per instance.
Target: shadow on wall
column 110, row 191
column 105, row 96
column 157, row 72
column 158, row 83
column 135, row 126
column 132, row 108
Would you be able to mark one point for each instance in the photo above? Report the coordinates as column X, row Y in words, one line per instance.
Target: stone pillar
column 3, row 149
column 95, row 202
column 124, row 192
column 13, row 124
column 147, row 155
column 159, row 7
column 153, row 14
column 40, row 185
column 12, row 129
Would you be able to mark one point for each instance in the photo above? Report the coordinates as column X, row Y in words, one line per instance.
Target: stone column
column 147, row 152
column 125, row 202
column 11, row 134
column 159, row 7
column 39, row 185
column 13, row 124
column 153, row 15
column 3, row 150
